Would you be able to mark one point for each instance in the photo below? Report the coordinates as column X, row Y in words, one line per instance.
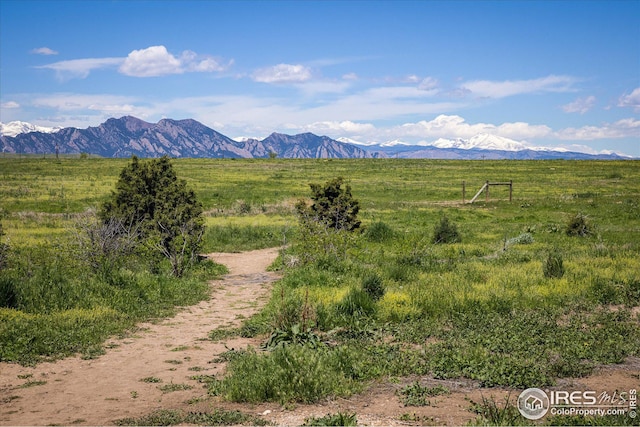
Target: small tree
column 326, row 224
column 332, row 205
column 445, row 232
column 169, row 216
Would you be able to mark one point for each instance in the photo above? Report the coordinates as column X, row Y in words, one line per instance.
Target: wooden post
column 463, row 191
column 487, row 193
column 510, row 190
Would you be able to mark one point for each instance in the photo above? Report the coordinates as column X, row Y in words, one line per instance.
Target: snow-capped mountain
column 18, row 127
column 484, row 146
column 128, row 136
column 354, row 142
column 482, row 141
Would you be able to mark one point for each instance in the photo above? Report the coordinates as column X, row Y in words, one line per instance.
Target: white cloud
column 453, row 126
column 631, row 100
column 151, row 62
column 429, row 84
column 158, row 61
column 350, row 76
column 113, row 108
column 345, row 127
column 10, row 105
column 502, row 89
column 65, row 102
column 625, row 128
column 282, row 73
column 44, row 51
column 80, row 68
column 580, row 105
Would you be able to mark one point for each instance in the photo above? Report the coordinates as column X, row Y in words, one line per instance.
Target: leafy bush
column 579, row 225
column 332, row 205
column 373, row 286
column 167, row 214
column 445, row 232
column 553, row 266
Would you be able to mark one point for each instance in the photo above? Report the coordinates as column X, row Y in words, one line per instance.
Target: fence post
column 487, row 193
column 463, row 191
column 510, row 190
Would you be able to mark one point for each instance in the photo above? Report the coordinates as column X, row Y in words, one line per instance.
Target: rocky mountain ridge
column 127, row 136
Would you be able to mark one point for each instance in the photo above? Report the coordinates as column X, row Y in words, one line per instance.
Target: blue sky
column 556, row 74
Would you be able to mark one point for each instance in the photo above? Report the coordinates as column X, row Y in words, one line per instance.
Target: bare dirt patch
column 152, row 369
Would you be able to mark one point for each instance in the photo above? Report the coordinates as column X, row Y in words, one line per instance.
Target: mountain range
column 127, row 136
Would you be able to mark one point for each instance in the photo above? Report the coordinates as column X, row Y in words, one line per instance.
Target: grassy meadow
column 481, row 308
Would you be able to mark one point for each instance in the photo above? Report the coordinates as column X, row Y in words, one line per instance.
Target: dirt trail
column 99, row 391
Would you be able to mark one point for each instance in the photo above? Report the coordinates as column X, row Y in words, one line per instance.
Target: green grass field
column 481, row 308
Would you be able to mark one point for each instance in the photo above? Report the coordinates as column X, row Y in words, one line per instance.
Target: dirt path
column 99, row 391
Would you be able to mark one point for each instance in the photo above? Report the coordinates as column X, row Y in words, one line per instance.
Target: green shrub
column 293, row 310
column 296, row 335
column 165, row 212
column 332, row 205
column 553, row 266
column 378, row 232
column 373, row 286
column 579, row 225
column 400, row 272
column 356, row 302
column 445, row 232
column 317, row 242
